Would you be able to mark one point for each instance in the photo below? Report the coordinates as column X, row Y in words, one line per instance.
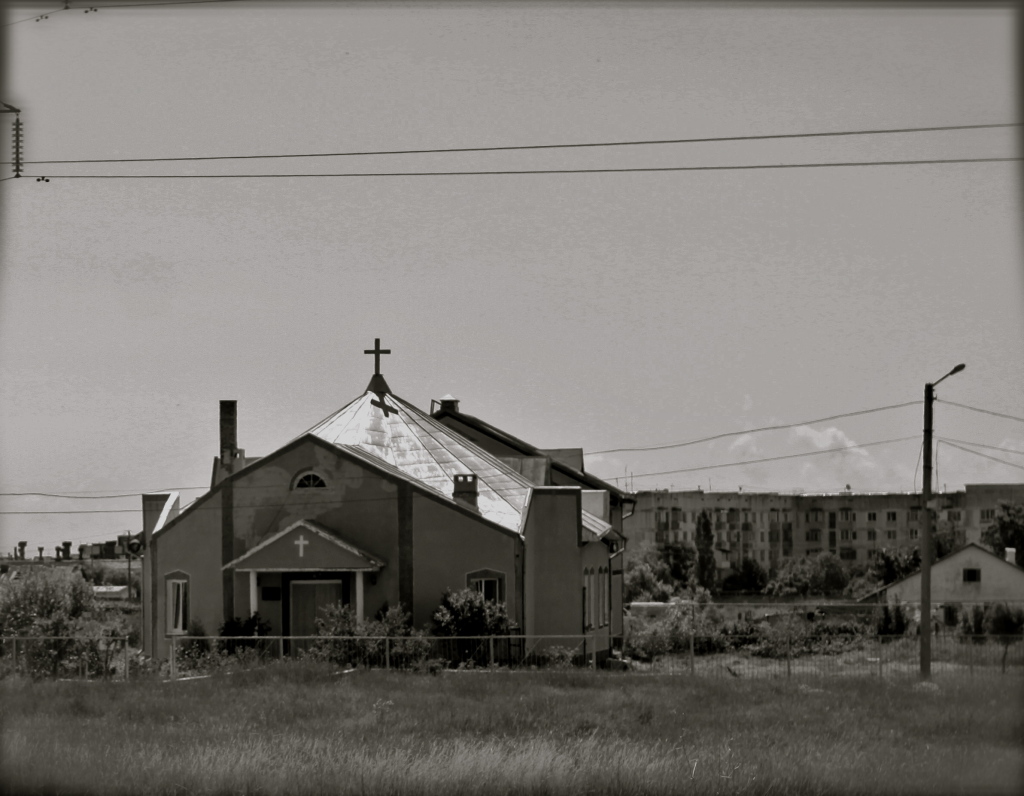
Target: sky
column 594, row 310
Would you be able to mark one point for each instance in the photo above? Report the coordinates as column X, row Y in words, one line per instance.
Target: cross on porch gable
column 302, row 541
column 377, row 351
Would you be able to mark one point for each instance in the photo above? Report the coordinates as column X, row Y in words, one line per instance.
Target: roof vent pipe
column 465, row 491
column 449, row 404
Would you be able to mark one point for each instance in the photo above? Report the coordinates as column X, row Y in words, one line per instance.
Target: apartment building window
column 762, row 537
column 813, row 535
column 872, row 516
column 872, row 535
column 972, row 575
column 844, row 515
column 853, row 535
column 987, row 515
column 913, row 533
column 890, row 534
column 914, row 514
column 785, row 516
column 848, row 553
column 890, row 516
column 844, row 535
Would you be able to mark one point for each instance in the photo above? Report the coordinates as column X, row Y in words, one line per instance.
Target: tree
column 750, row 577
column 1006, row 624
column 1007, row 531
column 646, row 581
column 822, row 575
column 707, row 569
column 890, row 566
column 680, row 559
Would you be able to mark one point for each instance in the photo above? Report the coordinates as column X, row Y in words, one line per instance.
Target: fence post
column 693, row 629
column 878, row 639
column 490, row 653
column 280, row 648
column 789, row 645
column 126, row 662
column 387, row 652
column 174, row 657
column 593, row 664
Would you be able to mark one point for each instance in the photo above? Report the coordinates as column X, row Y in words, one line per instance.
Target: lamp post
column 926, row 531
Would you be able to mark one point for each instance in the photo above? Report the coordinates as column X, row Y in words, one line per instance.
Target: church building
column 381, row 504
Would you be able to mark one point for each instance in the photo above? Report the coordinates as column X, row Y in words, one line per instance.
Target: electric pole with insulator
column 926, row 531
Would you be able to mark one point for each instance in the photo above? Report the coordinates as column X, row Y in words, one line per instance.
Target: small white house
column 972, row 574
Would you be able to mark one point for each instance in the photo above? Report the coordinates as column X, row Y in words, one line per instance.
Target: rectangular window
column 844, row 515
column 890, row 534
column 177, row 607
column 987, row 515
column 489, row 587
column 848, row 553
column 762, row 537
column 872, row 535
column 813, row 535
column 914, row 514
column 854, row 516
column 972, row 576
column 913, row 533
column 845, row 535
column 872, row 516
column 890, row 516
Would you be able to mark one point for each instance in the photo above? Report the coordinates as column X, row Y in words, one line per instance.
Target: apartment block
column 771, row 527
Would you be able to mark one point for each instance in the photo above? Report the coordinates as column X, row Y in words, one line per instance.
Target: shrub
column 405, row 646
column 972, row 624
column 891, row 621
column 1006, row 624
column 467, row 613
column 50, row 602
column 239, row 634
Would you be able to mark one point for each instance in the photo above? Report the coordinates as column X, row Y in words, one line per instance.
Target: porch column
column 252, row 592
column 359, row 595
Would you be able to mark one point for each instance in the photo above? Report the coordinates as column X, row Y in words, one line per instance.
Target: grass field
column 301, row 728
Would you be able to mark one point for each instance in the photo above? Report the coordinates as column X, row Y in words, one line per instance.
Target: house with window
column 381, row 504
column 971, row 575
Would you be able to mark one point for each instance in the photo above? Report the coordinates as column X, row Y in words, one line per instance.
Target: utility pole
column 926, row 531
column 17, row 135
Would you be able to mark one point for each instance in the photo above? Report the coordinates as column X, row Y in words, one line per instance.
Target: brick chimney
column 21, row 550
column 41, row 553
column 465, row 491
column 59, row 550
column 228, row 432
column 67, row 551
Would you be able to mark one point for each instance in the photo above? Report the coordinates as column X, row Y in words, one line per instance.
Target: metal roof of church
column 410, row 441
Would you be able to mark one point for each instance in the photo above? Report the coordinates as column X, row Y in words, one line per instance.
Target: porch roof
column 286, row 551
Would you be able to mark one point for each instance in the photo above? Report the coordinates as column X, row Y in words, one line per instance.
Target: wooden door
column 307, row 598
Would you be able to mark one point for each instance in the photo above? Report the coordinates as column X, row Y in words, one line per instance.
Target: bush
column 239, row 634
column 671, row 632
column 891, row 621
column 405, row 646
column 972, row 624
column 52, row 602
column 467, row 613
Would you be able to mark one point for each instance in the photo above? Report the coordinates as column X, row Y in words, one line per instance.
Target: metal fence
column 838, row 655
column 197, row 655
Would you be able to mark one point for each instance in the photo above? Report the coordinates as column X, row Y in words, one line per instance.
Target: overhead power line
column 774, row 458
column 983, row 455
column 96, row 6
column 519, row 148
column 981, row 445
column 757, row 430
column 499, row 172
column 983, row 411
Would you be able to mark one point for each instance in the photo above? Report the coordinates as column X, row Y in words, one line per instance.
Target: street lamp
column 926, row 531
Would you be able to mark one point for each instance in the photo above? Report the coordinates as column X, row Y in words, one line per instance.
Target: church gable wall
column 190, row 550
column 357, row 502
column 448, row 545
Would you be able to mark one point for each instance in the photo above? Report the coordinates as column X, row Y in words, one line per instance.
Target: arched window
column 310, row 481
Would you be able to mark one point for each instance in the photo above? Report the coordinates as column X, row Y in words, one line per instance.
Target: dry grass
column 299, row 728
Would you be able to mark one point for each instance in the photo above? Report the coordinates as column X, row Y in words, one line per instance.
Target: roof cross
column 377, row 351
